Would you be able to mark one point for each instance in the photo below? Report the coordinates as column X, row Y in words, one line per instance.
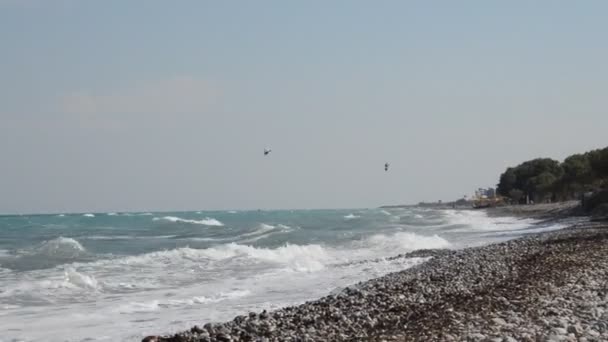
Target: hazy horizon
column 155, row 106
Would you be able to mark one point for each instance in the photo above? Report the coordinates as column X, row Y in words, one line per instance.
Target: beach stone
column 499, row 321
column 477, row 337
column 575, row 329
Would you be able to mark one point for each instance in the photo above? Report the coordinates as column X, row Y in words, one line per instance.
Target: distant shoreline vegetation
column 545, row 179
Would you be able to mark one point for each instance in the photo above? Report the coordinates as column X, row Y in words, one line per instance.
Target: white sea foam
column 206, row 221
column 112, row 214
column 88, row 215
column 385, row 212
column 155, row 305
column 126, row 237
column 404, row 242
column 351, row 217
column 61, row 215
column 79, row 279
column 472, row 220
column 300, row 258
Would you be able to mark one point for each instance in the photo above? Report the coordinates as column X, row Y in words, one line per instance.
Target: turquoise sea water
column 118, row 276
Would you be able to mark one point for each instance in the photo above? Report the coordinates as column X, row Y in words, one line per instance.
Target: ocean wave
column 79, row 279
column 112, row 214
column 264, row 231
column 52, row 286
column 386, row 212
column 154, row 305
column 47, row 254
column 472, row 220
column 298, row 258
column 88, row 215
column 403, row 241
column 60, row 247
column 126, row 237
column 206, row 221
column 351, row 217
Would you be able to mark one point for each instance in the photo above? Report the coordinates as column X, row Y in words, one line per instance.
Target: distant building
column 485, row 193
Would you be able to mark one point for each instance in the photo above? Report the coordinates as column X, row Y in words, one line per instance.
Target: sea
column 122, row 276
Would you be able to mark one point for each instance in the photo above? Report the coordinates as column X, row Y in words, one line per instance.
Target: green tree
column 577, row 175
column 534, row 177
column 507, row 182
column 598, row 160
column 516, row 195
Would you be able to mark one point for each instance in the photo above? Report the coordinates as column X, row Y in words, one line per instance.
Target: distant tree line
column 545, row 179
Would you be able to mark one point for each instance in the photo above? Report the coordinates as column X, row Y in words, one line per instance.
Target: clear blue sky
column 158, row 105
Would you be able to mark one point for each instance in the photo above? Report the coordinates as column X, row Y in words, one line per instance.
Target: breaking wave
column 406, row 242
column 351, row 217
column 47, row 254
column 88, row 215
column 469, row 220
column 60, row 247
column 206, row 221
column 264, row 231
column 299, row 258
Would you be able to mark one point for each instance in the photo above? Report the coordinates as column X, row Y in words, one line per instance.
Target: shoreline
column 545, row 286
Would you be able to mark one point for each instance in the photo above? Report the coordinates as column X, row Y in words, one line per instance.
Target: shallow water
column 121, row 276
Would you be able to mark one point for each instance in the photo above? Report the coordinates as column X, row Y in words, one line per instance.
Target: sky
column 161, row 105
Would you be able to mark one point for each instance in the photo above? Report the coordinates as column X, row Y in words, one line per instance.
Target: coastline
column 545, row 286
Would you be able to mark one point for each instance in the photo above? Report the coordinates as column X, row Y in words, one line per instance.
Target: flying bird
column 267, row 151
column 386, row 165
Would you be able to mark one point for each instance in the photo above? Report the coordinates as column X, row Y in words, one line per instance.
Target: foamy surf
column 113, row 279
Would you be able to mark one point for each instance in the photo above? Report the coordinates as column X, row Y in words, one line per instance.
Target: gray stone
column 575, row 329
column 499, row 321
column 477, row 337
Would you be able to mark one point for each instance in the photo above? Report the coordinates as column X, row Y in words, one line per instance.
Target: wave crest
column 408, row 241
column 298, row 258
column 207, row 221
column 60, row 247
